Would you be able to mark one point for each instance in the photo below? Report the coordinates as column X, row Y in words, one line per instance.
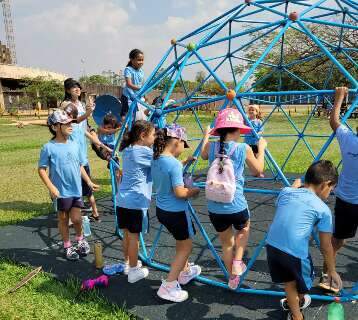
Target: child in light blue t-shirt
column 134, row 193
column 65, row 161
column 298, row 211
column 254, row 114
column 172, row 208
column 346, row 208
column 225, row 216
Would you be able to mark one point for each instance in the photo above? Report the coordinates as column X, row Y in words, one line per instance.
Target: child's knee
column 63, row 216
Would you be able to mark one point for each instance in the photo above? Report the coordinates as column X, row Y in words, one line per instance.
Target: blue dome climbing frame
column 230, row 35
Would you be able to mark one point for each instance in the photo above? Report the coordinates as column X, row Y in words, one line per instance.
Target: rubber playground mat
column 37, row 243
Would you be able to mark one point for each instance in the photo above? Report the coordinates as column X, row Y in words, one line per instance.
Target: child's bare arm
column 50, row 186
column 329, row 258
column 131, row 85
column 182, row 192
column 256, row 165
column 340, row 94
column 86, row 178
column 102, row 130
column 205, row 146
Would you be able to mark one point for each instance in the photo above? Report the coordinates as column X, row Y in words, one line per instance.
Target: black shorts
column 66, row 204
column 222, row 222
column 86, row 190
column 176, row 223
column 286, row 268
column 255, row 148
column 125, row 106
column 345, row 219
column 130, row 219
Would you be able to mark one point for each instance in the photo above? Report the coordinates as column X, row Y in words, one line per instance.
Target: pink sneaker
column 234, row 282
column 172, row 292
column 238, row 267
column 186, row 276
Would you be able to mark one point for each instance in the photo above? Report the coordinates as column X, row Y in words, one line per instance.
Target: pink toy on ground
column 89, row 284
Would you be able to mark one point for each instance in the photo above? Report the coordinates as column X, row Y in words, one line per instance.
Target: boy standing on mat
column 299, row 210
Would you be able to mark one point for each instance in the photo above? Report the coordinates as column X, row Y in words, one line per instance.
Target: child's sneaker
column 234, row 282
column 83, row 247
column 172, row 292
column 71, row 254
column 135, row 274
column 304, row 303
column 238, row 267
column 186, row 276
column 127, row 267
column 325, row 284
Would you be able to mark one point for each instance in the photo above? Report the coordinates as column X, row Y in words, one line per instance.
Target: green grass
column 46, row 298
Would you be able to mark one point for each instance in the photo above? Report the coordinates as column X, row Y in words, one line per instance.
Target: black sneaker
column 83, row 248
column 71, row 254
column 304, row 303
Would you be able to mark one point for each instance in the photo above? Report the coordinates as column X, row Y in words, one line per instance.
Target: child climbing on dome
column 172, row 208
column 134, row 77
column 299, row 209
column 254, row 114
column 64, row 161
column 346, row 208
column 134, row 193
column 227, row 206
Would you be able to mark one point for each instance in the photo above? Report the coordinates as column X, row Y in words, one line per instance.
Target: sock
column 170, row 283
column 67, row 244
column 79, row 238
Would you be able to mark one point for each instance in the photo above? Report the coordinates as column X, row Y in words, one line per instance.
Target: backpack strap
column 233, row 149
column 216, row 151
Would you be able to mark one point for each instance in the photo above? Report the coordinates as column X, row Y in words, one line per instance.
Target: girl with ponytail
column 134, row 193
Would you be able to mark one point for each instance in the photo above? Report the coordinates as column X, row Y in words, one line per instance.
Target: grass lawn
column 46, row 298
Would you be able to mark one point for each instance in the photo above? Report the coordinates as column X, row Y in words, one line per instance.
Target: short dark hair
column 320, row 172
column 110, row 119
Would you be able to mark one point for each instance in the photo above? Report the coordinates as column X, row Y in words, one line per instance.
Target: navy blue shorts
column 130, row 219
column 345, row 219
column 66, row 204
column 286, row 268
column 176, row 223
column 86, row 190
column 222, row 222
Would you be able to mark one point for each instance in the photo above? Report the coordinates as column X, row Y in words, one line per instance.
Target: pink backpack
column 220, row 182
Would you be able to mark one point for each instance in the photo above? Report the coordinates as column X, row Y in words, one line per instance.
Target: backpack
column 220, row 183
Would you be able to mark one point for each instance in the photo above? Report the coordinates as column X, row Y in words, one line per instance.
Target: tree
column 200, row 76
column 317, row 72
column 46, row 91
column 95, row 79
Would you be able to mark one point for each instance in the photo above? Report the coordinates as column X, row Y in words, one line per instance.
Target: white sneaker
column 186, row 276
column 127, row 267
column 172, row 292
column 135, row 274
column 304, row 303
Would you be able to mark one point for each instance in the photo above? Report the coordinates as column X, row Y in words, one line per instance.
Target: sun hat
column 58, row 116
column 178, row 132
column 229, row 118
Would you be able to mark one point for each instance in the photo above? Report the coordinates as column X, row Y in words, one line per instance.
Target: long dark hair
column 132, row 55
column 68, row 84
column 223, row 132
column 160, row 142
column 132, row 136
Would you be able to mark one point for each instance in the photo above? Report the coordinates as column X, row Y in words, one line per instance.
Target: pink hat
column 230, row 118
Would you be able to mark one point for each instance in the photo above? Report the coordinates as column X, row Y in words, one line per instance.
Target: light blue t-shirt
column 135, row 189
column 238, row 158
column 78, row 134
column 167, row 173
column 137, row 77
column 297, row 212
column 347, row 188
column 108, row 139
column 249, row 137
column 64, row 161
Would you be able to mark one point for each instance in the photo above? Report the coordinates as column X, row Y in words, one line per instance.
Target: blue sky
column 57, row 34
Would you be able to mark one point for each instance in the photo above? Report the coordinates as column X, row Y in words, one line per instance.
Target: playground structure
column 227, row 36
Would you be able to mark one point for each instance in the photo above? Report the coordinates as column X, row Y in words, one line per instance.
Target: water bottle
column 86, row 226
column 335, row 311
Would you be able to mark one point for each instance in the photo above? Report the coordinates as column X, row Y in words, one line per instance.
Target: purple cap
column 176, row 131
